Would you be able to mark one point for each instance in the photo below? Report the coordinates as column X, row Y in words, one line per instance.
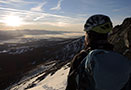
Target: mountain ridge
column 119, row 37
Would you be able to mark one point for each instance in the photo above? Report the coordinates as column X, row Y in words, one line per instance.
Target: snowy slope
column 56, row 81
column 59, row 51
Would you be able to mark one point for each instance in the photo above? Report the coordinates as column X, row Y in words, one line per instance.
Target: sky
column 64, row 15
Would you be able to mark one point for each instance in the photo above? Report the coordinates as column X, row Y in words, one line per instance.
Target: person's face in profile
column 86, row 39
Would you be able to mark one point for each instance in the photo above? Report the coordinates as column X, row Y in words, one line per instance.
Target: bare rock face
column 120, row 37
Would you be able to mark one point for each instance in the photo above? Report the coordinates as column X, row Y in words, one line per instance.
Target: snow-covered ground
column 56, row 81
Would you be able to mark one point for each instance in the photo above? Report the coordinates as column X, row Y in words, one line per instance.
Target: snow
column 25, row 84
column 4, row 51
column 56, row 81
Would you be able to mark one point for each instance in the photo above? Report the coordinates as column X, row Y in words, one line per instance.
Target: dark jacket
column 71, row 82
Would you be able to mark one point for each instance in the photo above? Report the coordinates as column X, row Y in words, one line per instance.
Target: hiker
column 97, row 28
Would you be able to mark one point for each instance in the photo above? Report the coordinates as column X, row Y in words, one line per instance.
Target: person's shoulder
column 78, row 58
column 83, row 53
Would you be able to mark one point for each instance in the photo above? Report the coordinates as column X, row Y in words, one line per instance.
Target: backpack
column 103, row 70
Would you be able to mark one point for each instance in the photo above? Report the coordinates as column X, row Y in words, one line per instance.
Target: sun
column 13, row 21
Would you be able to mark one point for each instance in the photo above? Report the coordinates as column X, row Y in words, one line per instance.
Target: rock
column 121, row 38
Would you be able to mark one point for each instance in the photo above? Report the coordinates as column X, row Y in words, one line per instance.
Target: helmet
column 98, row 23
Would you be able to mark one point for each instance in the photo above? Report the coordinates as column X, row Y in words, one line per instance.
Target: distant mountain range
column 18, row 59
column 18, row 36
column 22, row 63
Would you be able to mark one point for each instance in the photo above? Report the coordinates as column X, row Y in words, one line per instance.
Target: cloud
column 39, row 7
column 37, row 18
column 32, row 15
column 3, row 1
column 42, row 20
column 58, row 24
column 15, row 1
column 58, row 7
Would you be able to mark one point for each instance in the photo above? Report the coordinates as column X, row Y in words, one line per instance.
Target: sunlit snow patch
column 56, row 81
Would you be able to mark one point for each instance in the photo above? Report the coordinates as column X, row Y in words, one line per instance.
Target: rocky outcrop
column 120, row 37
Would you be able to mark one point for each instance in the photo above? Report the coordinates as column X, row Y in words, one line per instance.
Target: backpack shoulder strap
column 84, row 79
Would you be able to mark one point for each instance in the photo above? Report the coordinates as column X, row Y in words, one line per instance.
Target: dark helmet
column 98, row 23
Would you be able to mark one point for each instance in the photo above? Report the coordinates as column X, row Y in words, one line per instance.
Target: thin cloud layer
column 56, row 14
column 39, row 7
column 15, row 1
column 58, row 7
column 41, row 19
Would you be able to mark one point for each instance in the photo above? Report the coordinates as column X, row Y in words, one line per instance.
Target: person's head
column 97, row 28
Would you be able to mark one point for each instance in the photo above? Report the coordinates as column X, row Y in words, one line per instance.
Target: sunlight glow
column 13, row 21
